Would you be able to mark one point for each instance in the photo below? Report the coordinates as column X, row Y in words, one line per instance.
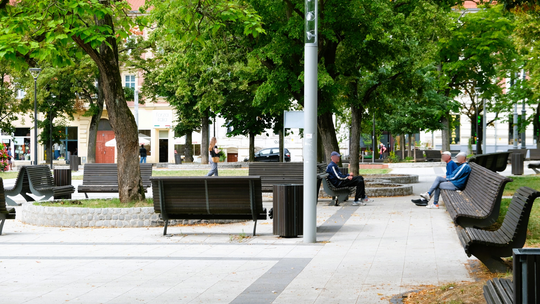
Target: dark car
column 271, row 155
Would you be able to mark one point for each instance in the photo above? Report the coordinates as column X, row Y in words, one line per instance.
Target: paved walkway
column 365, row 255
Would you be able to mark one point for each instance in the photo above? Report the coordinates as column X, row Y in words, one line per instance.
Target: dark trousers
column 358, row 182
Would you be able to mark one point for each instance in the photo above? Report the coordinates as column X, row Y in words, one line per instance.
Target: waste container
column 178, row 159
column 288, row 210
column 62, row 177
column 74, row 162
column 517, row 160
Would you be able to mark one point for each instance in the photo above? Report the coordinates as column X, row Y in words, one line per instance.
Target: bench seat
column 41, row 183
column 103, row 178
column 499, row 291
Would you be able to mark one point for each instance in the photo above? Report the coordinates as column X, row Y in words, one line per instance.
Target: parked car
column 271, row 155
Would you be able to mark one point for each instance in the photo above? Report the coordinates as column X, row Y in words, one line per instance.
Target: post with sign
column 310, row 122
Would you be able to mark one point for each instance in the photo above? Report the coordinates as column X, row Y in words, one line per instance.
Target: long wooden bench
column 526, row 280
column 5, row 212
column 433, row 155
column 490, row 246
column 277, row 173
column 208, row 197
column 22, row 187
column 495, row 162
column 479, row 203
column 103, row 178
column 41, row 183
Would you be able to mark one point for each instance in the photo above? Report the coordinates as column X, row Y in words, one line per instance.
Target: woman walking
column 214, row 157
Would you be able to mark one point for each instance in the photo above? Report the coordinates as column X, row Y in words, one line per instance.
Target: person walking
column 341, row 180
column 382, row 150
column 214, row 157
column 142, row 153
column 10, row 159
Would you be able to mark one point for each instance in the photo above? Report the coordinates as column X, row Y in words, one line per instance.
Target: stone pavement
column 364, row 255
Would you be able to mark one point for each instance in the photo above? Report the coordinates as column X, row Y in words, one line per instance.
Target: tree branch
column 291, row 5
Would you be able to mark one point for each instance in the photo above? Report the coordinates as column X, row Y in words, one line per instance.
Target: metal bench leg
column 11, row 202
column 494, row 264
column 86, row 194
column 165, row 229
column 255, row 228
column 2, row 225
column 27, row 197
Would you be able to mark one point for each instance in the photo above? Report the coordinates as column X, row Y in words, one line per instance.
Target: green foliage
column 9, row 105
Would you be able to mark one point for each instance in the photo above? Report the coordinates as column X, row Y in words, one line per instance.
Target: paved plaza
column 364, row 255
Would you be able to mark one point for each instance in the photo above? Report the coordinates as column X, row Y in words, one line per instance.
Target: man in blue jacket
column 454, row 181
column 340, row 180
column 450, row 168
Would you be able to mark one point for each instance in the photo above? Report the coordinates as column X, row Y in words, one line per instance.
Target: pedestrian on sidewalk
column 382, row 150
column 214, row 157
column 10, row 159
column 341, row 180
column 455, row 181
column 142, row 153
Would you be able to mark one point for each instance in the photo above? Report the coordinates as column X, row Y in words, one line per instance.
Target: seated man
column 455, row 181
column 341, row 180
column 450, row 167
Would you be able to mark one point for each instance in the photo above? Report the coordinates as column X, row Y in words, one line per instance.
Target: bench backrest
column 433, row 154
column 207, row 195
column 517, row 217
column 485, row 187
column 40, row 176
column 526, row 275
column 107, row 174
column 534, row 154
column 3, row 207
column 273, row 173
column 492, row 161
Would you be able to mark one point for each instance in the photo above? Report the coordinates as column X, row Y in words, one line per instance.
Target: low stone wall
column 393, row 178
column 98, row 217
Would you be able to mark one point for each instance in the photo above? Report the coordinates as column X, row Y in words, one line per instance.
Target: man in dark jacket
column 142, row 152
column 341, row 180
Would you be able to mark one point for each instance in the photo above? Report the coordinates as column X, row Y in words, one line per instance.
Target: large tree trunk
column 320, row 148
column 328, row 134
column 354, row 140
column 94, row 124
column 445, row 132
column 251, row 147
column 188, row 148
column 205, row 140
column 130, row 186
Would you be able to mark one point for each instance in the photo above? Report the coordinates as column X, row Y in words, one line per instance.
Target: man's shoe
column 425, row 196
column 358, row 203
column 432, row 206
column 367, row 200
column 420, row 202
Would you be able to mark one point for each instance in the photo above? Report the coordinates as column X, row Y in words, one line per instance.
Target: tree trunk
column 320, row 148
column 409, row 146
column 205, row 139
column 354, row 140
column 328, row 134
column 402, row 143
column 251, row 147
column 130, row 186
column 445, row 132
column 94, row 125
column 281, row 146
column 188, row 148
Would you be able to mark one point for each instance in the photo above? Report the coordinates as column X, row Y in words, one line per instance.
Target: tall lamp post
column 35, row 73
column 478, row 146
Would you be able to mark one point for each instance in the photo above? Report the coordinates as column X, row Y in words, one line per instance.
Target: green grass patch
column 375, row 171
column 8, row 175
column 521, row 181
column 533, row 232
column 97, row 203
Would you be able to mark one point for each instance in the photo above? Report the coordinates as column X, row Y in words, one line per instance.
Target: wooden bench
column 21, row 187
column 495, row 162
column 479, row 203
column 521, row 151
column 208, row 197
column 5, row 212
column 526, row 280
column 490, row 246
column 42, row 184
column 433, row 155
column 534, row 154
column 277, row 173
column 103, row 178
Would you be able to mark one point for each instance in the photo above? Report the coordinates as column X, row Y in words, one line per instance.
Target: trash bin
column 62, row 177
column 288, row 210
column 517, row 160
column 178, row 159
column 74, row 162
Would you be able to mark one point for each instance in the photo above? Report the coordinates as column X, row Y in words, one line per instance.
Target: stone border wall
column 98, row 217
column 393, row 178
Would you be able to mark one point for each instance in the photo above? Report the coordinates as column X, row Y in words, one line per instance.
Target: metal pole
column 523, row 117
column 373, row 144
column 477, row 127
column 50, row 139
column 515, row 135
column 310, row 122
column 136, row 100
column 484, row 126
column 35, row 122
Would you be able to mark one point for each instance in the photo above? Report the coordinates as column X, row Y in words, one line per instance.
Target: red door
column 104, row 155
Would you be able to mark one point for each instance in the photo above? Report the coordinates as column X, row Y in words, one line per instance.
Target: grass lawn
column 375, row 171
column 97, row 203
column 8, row 175
column 521, row 181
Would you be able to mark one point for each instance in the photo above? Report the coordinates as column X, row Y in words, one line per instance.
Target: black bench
column 535, row 166
column 339, row 195
column 5, row 212
column 534, row 154
column 22, row 187
column 479, row 203
column 277, row 173
column 490, row 246
column 41, row 183
column 208, row 197
column 521, row 151
column 495, row 162
column 103, row 178
column 526, row 276
column 433, row 155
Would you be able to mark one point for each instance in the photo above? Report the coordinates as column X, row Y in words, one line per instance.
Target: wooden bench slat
column 103, row 178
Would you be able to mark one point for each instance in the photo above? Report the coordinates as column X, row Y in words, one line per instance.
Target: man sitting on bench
column 450, row 168
column 340, row 180
column 455, row 181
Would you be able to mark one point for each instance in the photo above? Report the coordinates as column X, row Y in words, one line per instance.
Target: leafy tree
column 9, row 105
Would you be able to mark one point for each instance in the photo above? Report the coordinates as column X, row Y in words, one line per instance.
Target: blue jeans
column 440, row 183
column 213, row 170
column 143, row 159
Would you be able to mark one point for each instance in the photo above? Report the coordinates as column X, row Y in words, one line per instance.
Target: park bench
column 277, row 173
column 103, row 178
column 490, row 246
column 41, row 183
column 535, row 166
column 495, row 162
column 208, row 197
column 521, row 151
column 534, row 154
column 433, row 155
column 339, row 195
column 526, row 280
column 5, row 212
column 21, row 187
column 479, row 203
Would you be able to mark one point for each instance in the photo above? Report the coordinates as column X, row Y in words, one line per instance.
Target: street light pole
column 35, row 73
column 478, row 146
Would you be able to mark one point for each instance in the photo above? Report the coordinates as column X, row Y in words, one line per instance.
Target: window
column 265, row 152
column 21, row 144
column 21, row 93
column 130, row 81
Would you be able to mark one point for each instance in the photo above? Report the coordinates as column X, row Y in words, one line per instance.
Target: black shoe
column 420, row 202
